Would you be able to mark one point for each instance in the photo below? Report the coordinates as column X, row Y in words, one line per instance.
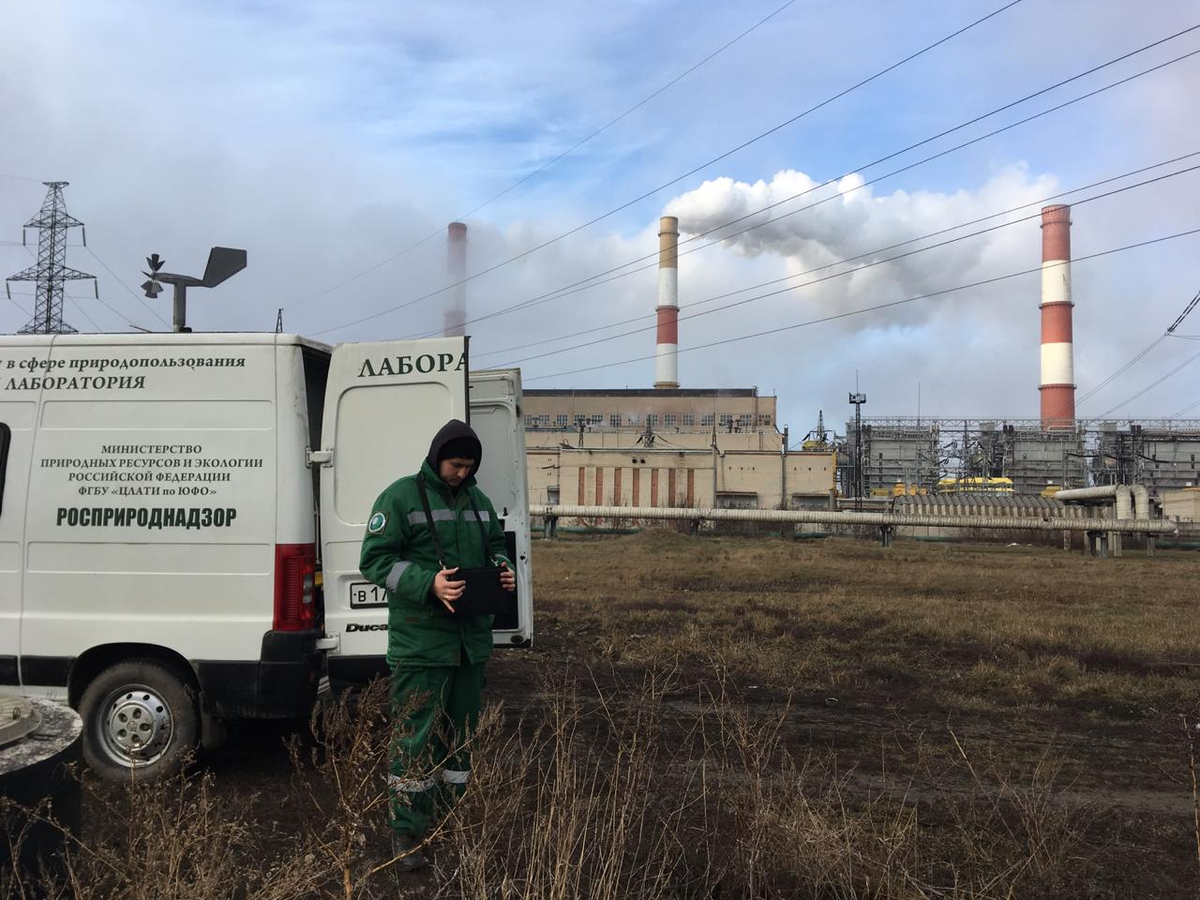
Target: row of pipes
column 1131, row 501
column 882, row 519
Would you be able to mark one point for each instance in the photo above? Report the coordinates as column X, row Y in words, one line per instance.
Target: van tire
column 139, row 717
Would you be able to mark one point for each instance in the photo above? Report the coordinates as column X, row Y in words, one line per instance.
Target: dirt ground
column 976, row 686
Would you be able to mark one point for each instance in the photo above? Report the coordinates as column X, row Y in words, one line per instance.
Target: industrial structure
column 1057, row 384
column 1163, row 455
column 50, row 273
column 455, row 321
column 666, row 359
column 669, row 446
column 895, row 456
column 661, row 447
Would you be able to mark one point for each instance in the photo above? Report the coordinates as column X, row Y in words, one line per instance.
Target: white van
column 170, row 504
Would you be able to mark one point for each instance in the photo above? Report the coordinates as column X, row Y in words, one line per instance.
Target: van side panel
column 16, row 420
column 153, row 516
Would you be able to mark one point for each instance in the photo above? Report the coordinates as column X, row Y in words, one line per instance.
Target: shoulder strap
column 437, row 545
column 487, row 556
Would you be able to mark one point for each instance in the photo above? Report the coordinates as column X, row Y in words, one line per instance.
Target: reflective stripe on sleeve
column 456, row 776
column 410, row 785
column 393, row 579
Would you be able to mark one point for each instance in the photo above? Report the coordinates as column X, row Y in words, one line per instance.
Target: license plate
column 365, row 595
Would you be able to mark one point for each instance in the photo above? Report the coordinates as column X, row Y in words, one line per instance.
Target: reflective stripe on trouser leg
column 462, row 714
column 418, row 707
column 411, row 785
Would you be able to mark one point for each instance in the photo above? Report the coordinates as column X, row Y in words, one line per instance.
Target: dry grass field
column 723, row 717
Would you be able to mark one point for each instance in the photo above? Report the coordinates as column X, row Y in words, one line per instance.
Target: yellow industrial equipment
column 975, row 485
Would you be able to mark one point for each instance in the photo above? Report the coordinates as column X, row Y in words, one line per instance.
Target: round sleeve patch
column 377, row 523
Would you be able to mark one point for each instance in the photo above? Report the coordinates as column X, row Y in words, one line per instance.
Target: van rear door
column 383, row 404
column 496, row 418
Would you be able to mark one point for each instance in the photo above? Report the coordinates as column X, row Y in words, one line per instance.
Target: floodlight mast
column 858, row 399
column 223, row 263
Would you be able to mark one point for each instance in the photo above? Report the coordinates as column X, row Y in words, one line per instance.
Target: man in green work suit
column 437, row 661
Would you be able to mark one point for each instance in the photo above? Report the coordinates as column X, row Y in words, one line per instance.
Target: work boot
column 406, row 850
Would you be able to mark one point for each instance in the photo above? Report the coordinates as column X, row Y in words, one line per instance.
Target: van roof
column 204, row 339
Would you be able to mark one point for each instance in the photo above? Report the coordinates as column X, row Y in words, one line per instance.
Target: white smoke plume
column 846, row 219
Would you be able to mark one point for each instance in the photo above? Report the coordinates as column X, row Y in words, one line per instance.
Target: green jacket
column 398, row 554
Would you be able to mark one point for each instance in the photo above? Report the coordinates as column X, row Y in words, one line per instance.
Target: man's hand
column 508, row 578
column 448, row 591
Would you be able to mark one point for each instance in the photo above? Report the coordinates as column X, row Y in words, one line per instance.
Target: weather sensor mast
column 223, row 263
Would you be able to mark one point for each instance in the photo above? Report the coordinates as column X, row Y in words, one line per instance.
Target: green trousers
column 434, row 713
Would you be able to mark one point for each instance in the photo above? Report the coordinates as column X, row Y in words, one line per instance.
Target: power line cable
column 874, row 308
column 1179, row 368
column 1183, row 315
column 848, row 272
column 1141, row 354
column 1170, row 332
column 889, row 247
column 1185, row 410
column 688, row 173
column 83, row 312
column 516, row 184
column 590, row 282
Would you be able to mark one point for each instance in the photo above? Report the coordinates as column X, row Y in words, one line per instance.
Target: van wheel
column 138, row 718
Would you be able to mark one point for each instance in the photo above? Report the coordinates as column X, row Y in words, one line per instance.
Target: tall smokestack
column 456, row 266
column 1058, row 355
column 666, row 362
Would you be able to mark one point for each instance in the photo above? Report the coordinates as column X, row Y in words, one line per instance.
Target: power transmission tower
column 50, row 272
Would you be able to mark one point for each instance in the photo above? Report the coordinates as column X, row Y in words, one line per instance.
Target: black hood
column 455, row 430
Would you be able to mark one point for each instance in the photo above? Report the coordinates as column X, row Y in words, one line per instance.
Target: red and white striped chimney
column 1058, row 355
column 666, row 361
column 455, row 318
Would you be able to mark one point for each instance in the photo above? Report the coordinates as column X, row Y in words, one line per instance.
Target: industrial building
column 1163, row 456
column 900, row 455
column 675, row 446
column 667, row 445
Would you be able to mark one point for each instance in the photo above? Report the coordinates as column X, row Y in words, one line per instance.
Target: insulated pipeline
column 817, row 517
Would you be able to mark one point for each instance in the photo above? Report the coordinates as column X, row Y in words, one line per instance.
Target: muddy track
column 1129, row 767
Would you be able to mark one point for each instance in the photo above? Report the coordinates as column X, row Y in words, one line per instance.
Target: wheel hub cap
column 138, row 725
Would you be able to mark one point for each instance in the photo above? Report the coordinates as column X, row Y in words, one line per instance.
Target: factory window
column 580, row 420
column 726, row 420
column 744, row 420
column 561, row 420
column 634, row 419
column 545, row 420
column 669, row 420
column 764, row 420
column 614, row 420
column 688, row 420
column 531, row 421
column 707, row 419
column 652, row 420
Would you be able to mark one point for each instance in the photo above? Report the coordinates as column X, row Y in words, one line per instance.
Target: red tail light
column 295, row 566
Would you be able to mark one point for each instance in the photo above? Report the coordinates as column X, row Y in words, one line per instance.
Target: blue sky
column 326, row 136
